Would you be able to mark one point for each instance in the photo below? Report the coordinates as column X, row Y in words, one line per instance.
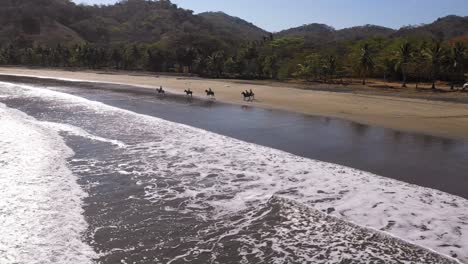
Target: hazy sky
column 275, row 15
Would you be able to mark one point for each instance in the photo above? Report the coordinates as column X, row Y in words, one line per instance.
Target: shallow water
column 429, row 161
column 165, row 192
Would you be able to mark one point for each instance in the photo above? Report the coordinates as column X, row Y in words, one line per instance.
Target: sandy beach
column 447, row 119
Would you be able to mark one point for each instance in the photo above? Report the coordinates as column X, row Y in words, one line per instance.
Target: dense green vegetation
column 158, row 36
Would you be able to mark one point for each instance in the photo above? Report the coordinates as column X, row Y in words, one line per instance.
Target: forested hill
column 49, row 22
column 230, row 25
column 443, row 28
column 39, row 22
column 324, row 34
column 157, row 35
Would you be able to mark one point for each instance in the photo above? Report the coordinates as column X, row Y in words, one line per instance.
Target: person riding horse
column 189, row 92
column 210, row 92
column 252, row 94
column 249, row 95
column 160, row 90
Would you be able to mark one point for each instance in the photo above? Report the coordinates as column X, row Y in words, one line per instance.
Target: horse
column 210, row 92
column 160, row 90
column 249, row 95
column 246, row 95
column 189, row 92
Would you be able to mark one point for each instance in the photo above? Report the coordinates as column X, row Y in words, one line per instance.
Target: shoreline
column 399, row 112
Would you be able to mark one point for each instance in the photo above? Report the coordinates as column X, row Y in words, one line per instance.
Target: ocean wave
column 284, row 231
column 73, row 130
column 41, row 219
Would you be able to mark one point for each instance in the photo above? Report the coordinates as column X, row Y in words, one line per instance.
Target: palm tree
column 310, row 68
column 366, row 63
column 215, row 63
column 404, row 57
column 270, row 66
column 117, row 58
column 457, row 58
column 304, row 71
column 435, row 55
column 386, row 66
column 331, row 66
column 420, row 59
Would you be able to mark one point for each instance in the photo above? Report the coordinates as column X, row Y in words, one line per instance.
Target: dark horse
column 189, row 92
column 160, row 90
column 248, row 95
column 210, row 92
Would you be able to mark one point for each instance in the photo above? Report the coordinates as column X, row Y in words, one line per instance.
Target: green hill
column 49, row 22
column 229, row 25
column 443, row 28
column 160, row 36
column 40, row 22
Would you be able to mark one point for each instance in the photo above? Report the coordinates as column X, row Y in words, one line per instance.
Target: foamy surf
column 216, row 177
column 41, row 219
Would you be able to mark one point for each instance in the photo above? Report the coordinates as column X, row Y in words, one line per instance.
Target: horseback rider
column 160, row 90
column 188, row 92
column 252, row 95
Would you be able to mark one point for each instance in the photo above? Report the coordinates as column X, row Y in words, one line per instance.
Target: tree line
column 396, row 59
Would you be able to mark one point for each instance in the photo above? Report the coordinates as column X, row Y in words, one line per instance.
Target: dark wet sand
column 434, row 162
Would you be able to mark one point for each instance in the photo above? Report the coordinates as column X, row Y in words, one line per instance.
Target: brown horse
column 248, row 95
column 210, row 92
column 189, row 92
column 160, row 90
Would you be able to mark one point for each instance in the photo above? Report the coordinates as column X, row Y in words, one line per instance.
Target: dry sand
column 407, row 114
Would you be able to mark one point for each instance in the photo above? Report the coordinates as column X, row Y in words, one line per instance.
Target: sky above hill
column 276, row 15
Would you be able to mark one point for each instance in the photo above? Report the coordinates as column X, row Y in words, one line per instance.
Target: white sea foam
column 73, row 130
column 211, row 165
column 283, row 231
column 45, row 77
column 41, row 217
